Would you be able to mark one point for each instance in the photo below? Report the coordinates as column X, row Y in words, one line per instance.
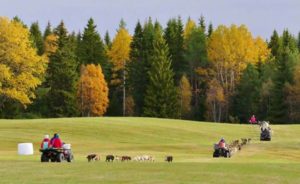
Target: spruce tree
column 298, row 42
column 174, row 38
column 135, row 69
column 202, row 23
column 47, row 31
column 91, row 48
column 142, row 49
column 210, row 29
column 274, row 44
column 196, row 56
column 246, row 99
column 62, row 77
column 36, row 37
column 107, row 40
column 161, row 99
column 283, row 76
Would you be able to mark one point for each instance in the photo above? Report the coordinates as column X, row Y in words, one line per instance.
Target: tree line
column 185, row 71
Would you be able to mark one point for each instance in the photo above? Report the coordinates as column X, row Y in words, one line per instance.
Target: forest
column 190, row 70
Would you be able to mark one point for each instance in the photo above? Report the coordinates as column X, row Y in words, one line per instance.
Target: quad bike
column 221, row 152
column 265, row 134
column 56, row 155
column 265, row 131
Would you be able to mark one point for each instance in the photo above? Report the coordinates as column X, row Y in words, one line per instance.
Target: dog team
column 111, row 158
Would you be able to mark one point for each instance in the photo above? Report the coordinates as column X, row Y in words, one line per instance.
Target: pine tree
column 91, row 48
column 48, row 31
column 135, row 69
column 62, row 76
column 274, row 44
column 161, row 95
column 196, row 56
column 283, row 76
column 202, row 23
column 36, row 37
column 288, row 41
column 210, row 29
column 298, row 43
column 174, row 38
column 141, row 54
column 246, row 99
column 107, row 41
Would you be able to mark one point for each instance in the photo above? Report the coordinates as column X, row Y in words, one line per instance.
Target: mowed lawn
column 190, row 143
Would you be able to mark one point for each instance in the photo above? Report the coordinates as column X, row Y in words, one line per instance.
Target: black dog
column 169, row 158
column 109, row 158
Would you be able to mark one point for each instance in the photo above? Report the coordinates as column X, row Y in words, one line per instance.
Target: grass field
column 189, row 142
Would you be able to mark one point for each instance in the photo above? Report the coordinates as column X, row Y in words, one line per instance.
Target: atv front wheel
column 44, row 158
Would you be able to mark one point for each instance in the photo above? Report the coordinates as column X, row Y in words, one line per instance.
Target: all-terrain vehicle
column 221, row 152
column 265, row 134
column 265, row 131
column 56, row 155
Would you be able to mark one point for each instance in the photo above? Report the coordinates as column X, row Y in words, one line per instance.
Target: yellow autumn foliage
column 119, row 52
column 185, row 96
column 21, row 69
column 50, row 44
column 231, row 49
column 92, row 91
column 189, row 27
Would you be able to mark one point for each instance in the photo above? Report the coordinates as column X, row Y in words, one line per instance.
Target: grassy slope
column 189, row 142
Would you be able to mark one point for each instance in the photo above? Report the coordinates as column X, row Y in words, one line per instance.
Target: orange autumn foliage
column 92, row 91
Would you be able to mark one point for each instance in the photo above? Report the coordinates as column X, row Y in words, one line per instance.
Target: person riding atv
column 265, row 131
column 253, row 120
column 221, row 149
column 57, row 151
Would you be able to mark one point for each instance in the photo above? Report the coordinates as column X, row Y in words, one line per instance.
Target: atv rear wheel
column 60, row 157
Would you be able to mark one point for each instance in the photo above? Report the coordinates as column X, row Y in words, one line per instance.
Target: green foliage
column 196, row 56
column 202, row 23
column 174, row 38
column 142, row 50
column 36, row 37
column 210, row 29
column 161, row 95
column 136, row 70
column 62, row 77
column 91, row 48
column 284, row 75
column 107, row 41
column 246, row 99
column 47, row 31
column 274, row 44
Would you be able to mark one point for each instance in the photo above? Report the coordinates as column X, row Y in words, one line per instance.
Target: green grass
column 189, row 142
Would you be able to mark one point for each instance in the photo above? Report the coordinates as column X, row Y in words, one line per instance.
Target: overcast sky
column 261, row 16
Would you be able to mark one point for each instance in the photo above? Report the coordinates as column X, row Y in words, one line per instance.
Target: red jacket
column 57, row 143
column 46, row 140
column 252, row 120
column 221, row 144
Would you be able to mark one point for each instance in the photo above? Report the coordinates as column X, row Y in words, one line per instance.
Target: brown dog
column 125, row 158
column 93, row 157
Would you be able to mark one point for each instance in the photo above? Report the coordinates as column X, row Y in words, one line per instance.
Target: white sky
column 261, row 16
